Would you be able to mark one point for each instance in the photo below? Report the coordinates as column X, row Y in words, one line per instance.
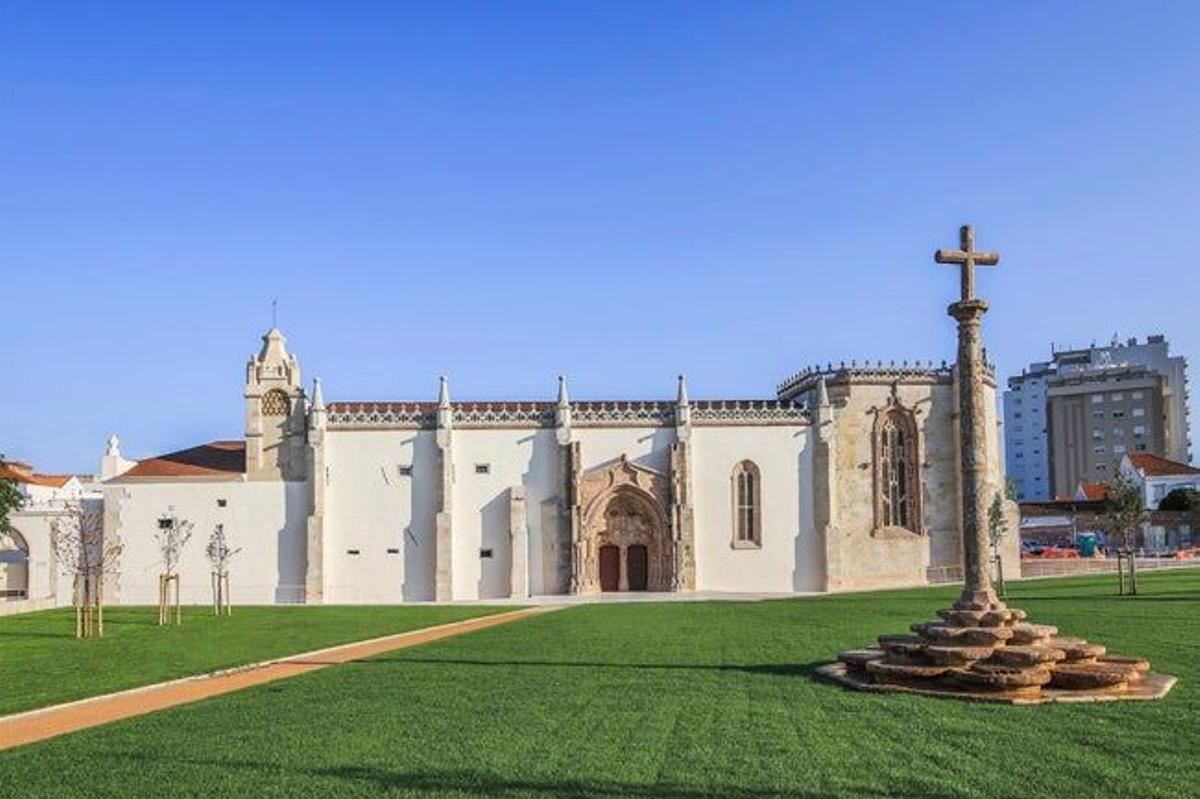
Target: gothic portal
column 624, row 541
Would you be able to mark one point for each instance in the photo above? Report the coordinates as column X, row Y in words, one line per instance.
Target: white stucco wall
column 388, row 517
column 790, row 557
column 265, row 519
column 527, row 458
column 44, row 582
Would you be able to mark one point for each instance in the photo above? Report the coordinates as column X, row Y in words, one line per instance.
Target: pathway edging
column 41, row 723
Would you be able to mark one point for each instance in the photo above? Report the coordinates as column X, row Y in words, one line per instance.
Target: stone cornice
column 585, row 414
column 918, row 373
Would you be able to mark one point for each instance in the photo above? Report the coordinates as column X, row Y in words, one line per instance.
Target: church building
column 847, row 479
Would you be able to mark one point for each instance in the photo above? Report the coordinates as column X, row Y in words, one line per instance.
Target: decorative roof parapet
column 717, row 412
column 866, row 374
column 588, row 413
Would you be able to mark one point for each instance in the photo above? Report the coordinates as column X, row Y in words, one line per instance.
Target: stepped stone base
column 986, row 652
column 1151, row 686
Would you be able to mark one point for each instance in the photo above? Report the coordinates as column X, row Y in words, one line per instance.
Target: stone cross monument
column 979, row 649
column 968, row 311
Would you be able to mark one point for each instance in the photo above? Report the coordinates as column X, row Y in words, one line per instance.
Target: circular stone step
column 1025, row 634
column 1088, row 676
column 1026, row 656
column 1076, row 649
column 942, row 634
column 957, row 655
column 1002, row 678
column 857, row 659
column 1139, row 665
column 976, row 618
column 902, row 644
column 889, row 671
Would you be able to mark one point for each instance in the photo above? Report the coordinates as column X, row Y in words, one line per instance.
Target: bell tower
column 275, row 413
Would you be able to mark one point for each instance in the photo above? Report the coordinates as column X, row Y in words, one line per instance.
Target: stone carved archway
column 623, row 505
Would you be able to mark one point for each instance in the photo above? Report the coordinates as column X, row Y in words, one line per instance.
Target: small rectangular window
column 1097, row 399
column 1119, row 449
column 1118, row 396
column 1139, row 411
column 406, row 470
column 352, row 552
column 1136, row 395
column 1118, row 414
column 485, row 553
column 393, row 551
column 1097, row 414
column 1102, row 467
column 483, row 468
column 221, row 503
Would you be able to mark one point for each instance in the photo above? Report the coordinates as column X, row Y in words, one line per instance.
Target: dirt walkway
column 37, row 725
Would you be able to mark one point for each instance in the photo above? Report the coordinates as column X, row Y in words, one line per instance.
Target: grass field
column 42, row 664
column 696, row 700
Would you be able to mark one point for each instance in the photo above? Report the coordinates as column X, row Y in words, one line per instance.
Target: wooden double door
column 636, row 563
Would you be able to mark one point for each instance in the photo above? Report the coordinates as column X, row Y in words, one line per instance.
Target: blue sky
column 619, row 191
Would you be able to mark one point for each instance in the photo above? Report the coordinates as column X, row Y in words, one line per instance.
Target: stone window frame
column 905, row 420
column 276, row 403
column 746, row 477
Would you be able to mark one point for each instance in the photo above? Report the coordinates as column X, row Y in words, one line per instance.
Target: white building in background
column 847, row 479
column 29, row 577
column 1159, row 476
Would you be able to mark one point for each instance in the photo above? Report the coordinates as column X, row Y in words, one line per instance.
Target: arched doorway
column 629, row 546
column 14, row 566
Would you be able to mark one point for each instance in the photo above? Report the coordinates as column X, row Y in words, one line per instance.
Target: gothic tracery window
column 747, row 505
column 276, row 403
column 897, row 476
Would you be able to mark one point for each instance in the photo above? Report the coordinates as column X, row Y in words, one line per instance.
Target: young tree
column 1124, row 514
column 997, row 530
column 83, row 553
column 172, row 535
column 219, row 554
column 11, row 500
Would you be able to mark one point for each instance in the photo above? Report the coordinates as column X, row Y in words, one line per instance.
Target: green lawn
column 631, row 701
column 41, row 662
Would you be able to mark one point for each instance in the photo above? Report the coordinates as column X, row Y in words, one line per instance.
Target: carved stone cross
column 967, row 258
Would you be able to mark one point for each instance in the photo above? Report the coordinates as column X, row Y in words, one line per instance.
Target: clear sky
column 619, row 191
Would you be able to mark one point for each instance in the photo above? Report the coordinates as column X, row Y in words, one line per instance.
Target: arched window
column 747, row 505
column 14, row 566
column 897, row 472
column 276, row 403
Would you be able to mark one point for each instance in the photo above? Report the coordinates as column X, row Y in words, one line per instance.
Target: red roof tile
column 216, row 459
column 1154, row 466
column 1094, row 491
column 20, row 473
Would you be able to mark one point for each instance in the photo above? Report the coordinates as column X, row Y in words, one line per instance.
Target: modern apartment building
column 1074, row 417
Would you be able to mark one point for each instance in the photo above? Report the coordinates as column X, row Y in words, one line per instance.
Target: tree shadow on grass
column 478, row 783
column 27, row 634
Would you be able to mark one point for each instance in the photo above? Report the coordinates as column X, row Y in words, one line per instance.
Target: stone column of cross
column 978, row 593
